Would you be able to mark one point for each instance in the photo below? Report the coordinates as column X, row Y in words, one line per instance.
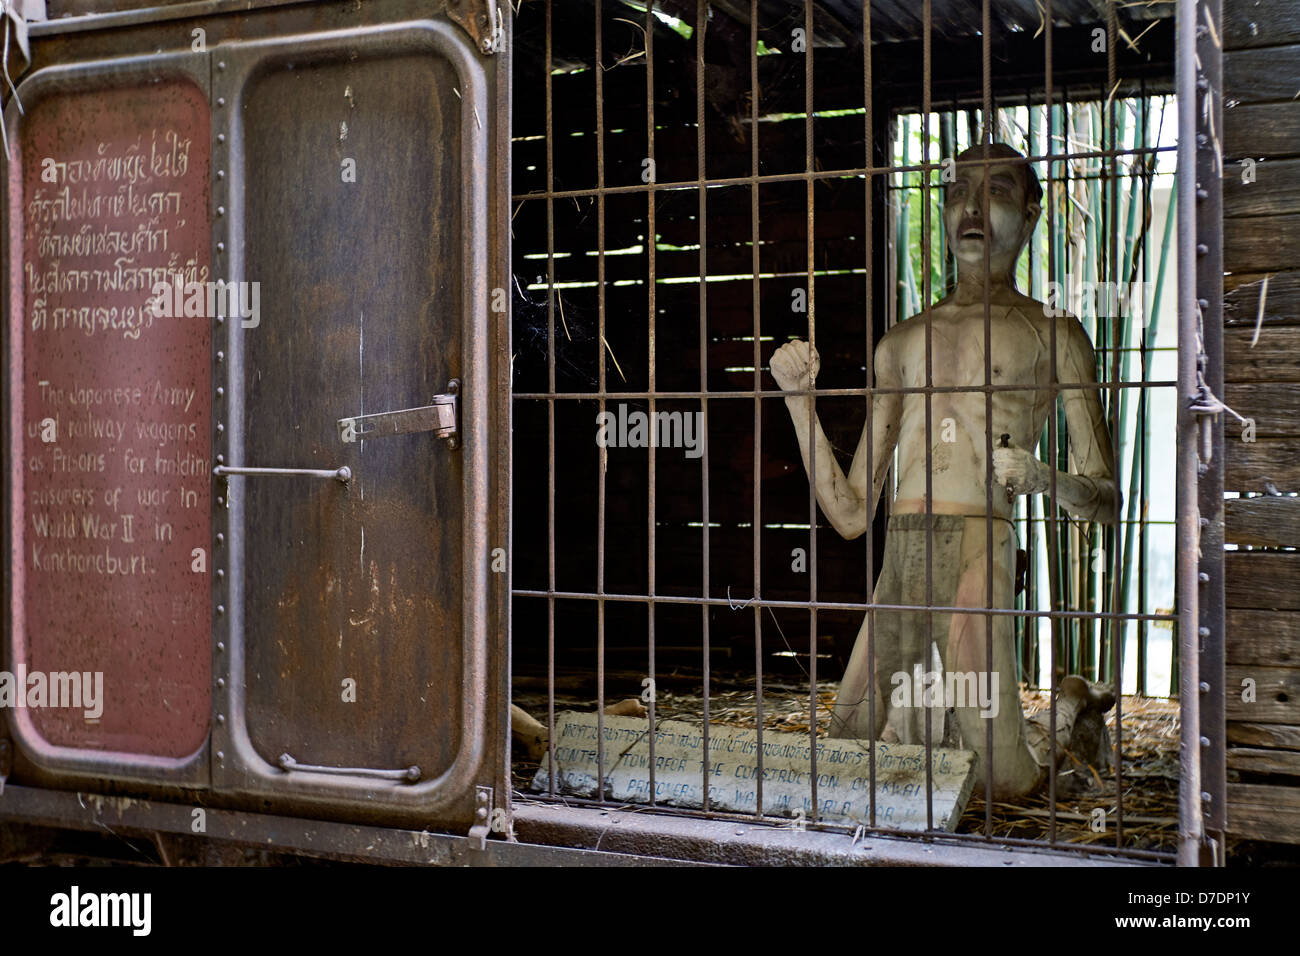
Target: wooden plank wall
column 1261, row 237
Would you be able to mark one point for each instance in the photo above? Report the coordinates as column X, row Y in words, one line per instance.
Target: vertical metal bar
column 926, row 25
column 868, row 139
column 550, row 414
column 1190, row 822
column 812, row 408
column 1116, row 627
column 990, row 126
column 755, row 267
column 1029, row 642
column 1050, row 514
column 1141, row 430
column 1069, row 645
column 1209, row 290
column 600, row 353
column 701, row 22
column 652, row 245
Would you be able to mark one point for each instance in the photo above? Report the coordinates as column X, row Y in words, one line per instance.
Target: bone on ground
column 531, row 735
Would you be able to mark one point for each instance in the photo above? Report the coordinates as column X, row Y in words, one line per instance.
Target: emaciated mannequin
column 1021, row 333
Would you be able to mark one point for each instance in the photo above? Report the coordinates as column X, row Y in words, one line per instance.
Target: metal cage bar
column 1111, row 617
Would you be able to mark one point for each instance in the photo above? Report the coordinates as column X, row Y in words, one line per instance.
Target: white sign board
column 843, row 781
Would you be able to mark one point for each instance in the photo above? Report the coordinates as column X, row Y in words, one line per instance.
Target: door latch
column 442, row 417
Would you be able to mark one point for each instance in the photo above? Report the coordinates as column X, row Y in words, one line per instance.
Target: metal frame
column 869, row 169
column 547, row 835
column 248, row 31
column 1211, row 604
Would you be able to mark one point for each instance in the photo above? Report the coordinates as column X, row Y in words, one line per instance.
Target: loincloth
column 908, row 642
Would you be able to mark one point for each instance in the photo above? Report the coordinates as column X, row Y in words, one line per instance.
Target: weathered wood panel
column 1275, row 357
column 1252, row 466
column 1255, row 23
column 1259, row 760
column 1262, row 75
column 1275, row 736
column 1260, row 129
column 1267, row 521
column 1276, row 690
column 1267, row 243
column 1263, row 637
column 1262, row 580
column 1264, row 812
column 1274, row 406
column 1241, row 292
column 1275, row 190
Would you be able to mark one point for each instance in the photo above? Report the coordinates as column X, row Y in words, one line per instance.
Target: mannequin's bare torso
column 1020, row 338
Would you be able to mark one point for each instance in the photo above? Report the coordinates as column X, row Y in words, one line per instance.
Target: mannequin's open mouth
column 973, row 234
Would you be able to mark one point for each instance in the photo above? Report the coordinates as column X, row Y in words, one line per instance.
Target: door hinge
column 478, row 833
column 482, row 20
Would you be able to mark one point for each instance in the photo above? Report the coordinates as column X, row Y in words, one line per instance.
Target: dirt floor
column 1149, row 779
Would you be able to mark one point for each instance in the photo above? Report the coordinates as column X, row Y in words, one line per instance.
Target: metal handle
column 343, row 474
column 409, row 775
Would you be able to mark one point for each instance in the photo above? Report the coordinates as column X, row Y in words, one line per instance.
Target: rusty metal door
column 353, row 471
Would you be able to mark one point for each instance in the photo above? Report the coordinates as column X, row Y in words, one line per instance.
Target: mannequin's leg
column 1017, row 749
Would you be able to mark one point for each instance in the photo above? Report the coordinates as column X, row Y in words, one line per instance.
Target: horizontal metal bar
column 66, row 809
column 739, row 604
column 729, row 837
column 343, row 474
column 406, row 775
column 160, row 12
column 804, row 176
column 859, row 392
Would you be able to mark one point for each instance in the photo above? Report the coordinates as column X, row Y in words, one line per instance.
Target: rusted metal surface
column 357, row 615
column 109, row 413
column 337, row 841
column 740, row 842
column 547, row 835
column 480, row 19
column 1191, row 822
column 416, row 242
column 1211, row 625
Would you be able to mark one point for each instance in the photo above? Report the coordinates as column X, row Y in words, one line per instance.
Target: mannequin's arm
column 843, row 499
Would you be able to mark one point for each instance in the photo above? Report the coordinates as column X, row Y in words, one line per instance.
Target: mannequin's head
column 1015, row 198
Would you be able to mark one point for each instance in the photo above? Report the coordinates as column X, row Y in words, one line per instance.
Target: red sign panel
column 110, row 410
